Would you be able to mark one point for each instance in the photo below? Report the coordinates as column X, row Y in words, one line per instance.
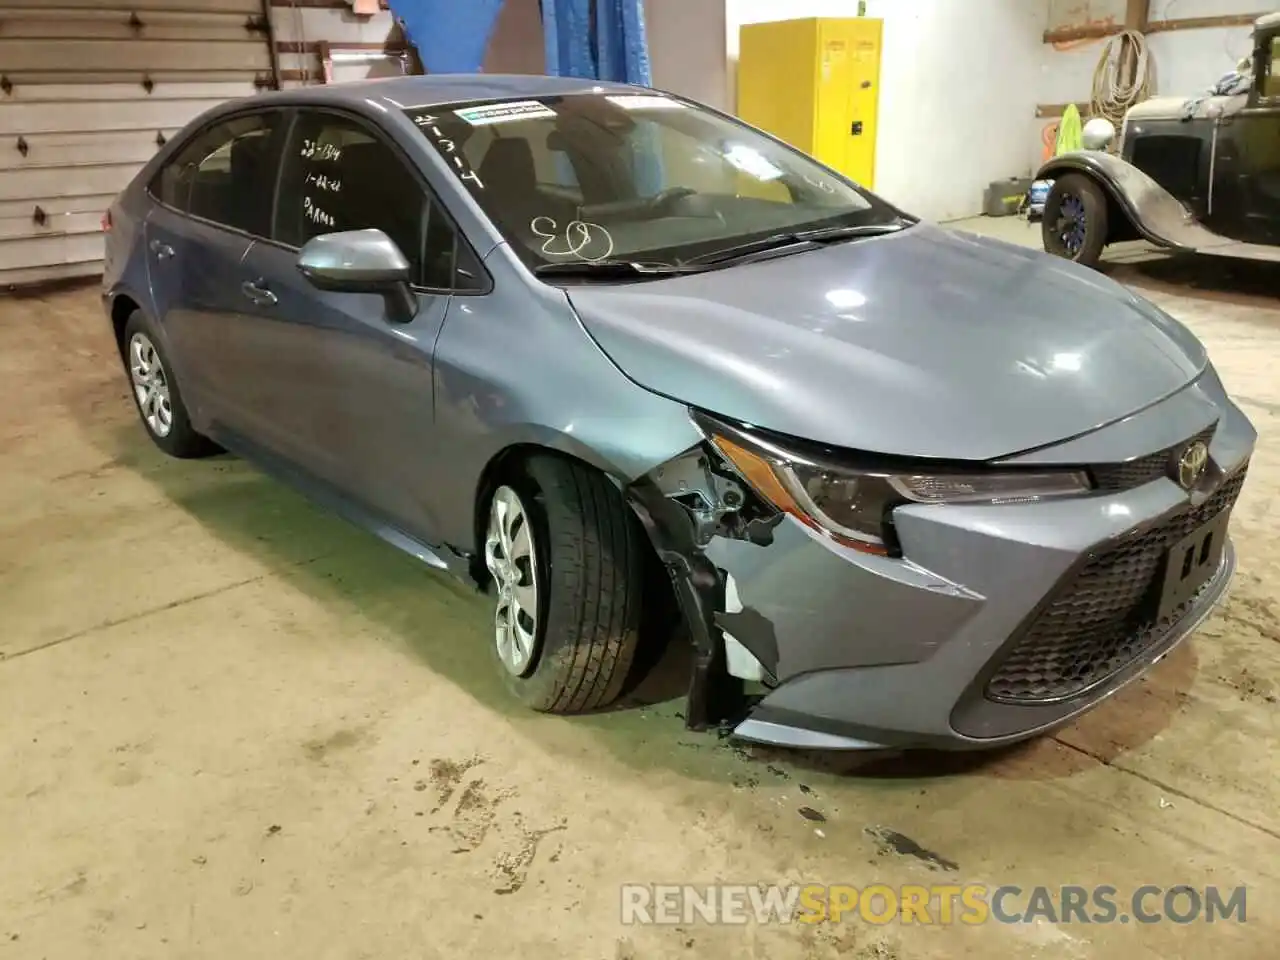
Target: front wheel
column 1075, row 219
column 566, row 559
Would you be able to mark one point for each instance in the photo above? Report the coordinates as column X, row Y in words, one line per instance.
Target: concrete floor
column 232, row 726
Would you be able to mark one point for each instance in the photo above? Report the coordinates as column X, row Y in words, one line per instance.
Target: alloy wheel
column 510, row 554
column 1072, row 224
column 150, row 385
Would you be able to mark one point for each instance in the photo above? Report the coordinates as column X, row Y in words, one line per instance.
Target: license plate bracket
column 1191, row 562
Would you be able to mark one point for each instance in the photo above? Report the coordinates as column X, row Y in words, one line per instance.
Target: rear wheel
column 156, row 394
column 566, row 561
column 1075, row 219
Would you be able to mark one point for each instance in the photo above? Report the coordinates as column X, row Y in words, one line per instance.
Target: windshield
column 637, row 177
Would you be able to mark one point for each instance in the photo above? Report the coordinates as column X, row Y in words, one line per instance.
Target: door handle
column 162, row 250
column 855, row 129
column 256, row 290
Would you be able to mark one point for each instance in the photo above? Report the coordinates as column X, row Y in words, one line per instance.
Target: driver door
column 349, row 390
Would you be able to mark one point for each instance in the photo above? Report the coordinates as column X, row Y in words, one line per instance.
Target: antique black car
column 1198, row 174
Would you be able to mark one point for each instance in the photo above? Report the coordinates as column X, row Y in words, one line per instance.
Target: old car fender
column 1155, row 214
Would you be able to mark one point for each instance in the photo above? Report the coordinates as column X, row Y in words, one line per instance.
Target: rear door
column 212, row 199
column 352, row 390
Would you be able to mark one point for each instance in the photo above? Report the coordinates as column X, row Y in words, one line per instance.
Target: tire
column 1075, row 220
column 156, row 395
column 585, row 562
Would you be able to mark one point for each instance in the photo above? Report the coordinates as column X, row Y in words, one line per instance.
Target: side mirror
column 360, row 261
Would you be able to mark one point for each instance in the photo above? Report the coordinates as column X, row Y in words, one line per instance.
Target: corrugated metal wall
column 89, row 89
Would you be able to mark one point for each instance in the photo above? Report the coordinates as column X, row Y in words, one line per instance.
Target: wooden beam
column 322, row 4
column 313, row 46
column 1089, row 31
column 1202, row 23
column 1097, row 31
column 1136, row 15
column 1051, row 111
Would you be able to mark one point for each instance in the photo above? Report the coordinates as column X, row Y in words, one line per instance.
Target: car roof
column 439, row 89
column 1267, row 21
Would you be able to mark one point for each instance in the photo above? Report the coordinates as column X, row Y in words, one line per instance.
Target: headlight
column 852, row 505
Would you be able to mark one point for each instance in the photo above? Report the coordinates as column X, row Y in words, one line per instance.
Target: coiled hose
column 1122, row 78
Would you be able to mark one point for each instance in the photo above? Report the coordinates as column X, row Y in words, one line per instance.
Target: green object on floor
column 1070, row 132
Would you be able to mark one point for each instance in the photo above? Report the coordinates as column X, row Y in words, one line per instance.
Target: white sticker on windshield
column 502, row 112
column 645, row 101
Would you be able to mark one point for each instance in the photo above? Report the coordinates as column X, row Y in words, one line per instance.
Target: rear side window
column 225, row 174
column 339, row 175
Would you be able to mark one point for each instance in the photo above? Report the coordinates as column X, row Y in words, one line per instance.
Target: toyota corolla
column 905, row 486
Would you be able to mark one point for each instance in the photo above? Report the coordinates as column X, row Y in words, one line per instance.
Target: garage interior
column 234, row 725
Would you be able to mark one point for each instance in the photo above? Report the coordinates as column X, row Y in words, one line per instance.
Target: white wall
column 1188, row 61
column 1185, row 61
column 958, row 91
column 687, row 49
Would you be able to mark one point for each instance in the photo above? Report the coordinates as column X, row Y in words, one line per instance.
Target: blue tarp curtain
column 597, row 39
column 604, row 40
column 451, row 36
column 593, row 39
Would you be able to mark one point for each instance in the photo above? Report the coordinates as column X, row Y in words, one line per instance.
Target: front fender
column 1155, row 213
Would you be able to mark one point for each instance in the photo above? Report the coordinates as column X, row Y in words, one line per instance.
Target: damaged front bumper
column 998, row 622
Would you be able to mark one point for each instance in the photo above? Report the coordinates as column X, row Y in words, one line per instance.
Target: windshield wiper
column 794, row 237
column 613, row 268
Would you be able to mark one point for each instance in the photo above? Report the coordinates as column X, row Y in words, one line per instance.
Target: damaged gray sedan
column 610, row 353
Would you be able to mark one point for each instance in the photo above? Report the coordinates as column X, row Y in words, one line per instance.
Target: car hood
column 927, row 343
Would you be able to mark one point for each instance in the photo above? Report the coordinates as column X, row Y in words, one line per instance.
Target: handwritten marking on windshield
column 429, row 127
column 579, row 237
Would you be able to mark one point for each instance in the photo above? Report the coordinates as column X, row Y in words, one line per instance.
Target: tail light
column 106, row 222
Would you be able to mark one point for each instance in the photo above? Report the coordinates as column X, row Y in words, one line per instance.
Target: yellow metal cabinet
column 815, row 83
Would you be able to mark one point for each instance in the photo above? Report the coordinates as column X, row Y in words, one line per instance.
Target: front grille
column 1104, row 616
column 1112, row 477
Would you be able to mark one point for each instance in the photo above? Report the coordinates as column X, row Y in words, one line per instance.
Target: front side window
column 225, row 174
column 338, row 175
column 636, row 177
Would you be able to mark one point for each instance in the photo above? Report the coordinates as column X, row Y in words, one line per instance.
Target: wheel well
column 122, row 308
column 1119, row 224
column 662, row 613
column 505, row 465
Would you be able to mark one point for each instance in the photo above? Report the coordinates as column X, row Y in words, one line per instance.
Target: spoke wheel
column 150, row 385
column 1076, row 219
column 510, row 555
column 1073, row 221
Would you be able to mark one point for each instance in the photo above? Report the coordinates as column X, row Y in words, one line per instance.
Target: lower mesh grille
column 1105, row 616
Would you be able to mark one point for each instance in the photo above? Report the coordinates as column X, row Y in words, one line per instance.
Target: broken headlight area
column 850, row 499
column 683, row 505
column 739, row 484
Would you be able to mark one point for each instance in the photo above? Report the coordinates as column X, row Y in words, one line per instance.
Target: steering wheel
column 669, row 196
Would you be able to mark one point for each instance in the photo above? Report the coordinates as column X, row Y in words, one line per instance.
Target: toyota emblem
column 1192, row 463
